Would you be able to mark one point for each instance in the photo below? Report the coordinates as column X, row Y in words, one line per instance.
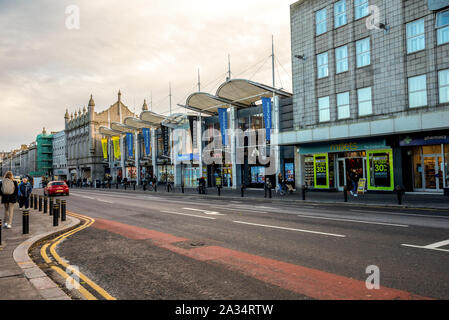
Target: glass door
column 341, row 171
column 433, row 175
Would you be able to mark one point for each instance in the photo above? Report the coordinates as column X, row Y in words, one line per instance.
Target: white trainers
column 352, row 193
column 356, row 195
column 8, row 226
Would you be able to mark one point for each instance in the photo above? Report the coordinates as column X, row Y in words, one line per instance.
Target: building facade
column 60, row 171
column 84, row 149
column 371, row 94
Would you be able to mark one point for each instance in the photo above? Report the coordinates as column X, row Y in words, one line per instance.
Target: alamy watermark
column 73, row 281
column 72, row 21
column 373, row 281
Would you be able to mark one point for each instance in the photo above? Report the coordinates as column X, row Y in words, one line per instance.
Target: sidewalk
column 409, row 200
column 20, row 278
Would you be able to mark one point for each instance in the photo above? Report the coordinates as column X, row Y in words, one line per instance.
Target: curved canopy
column 175, row 120
column 152, row 117
column 247, row 92
column 138, row 124
column 202, row 101
column 121, row 128
column 108, row 132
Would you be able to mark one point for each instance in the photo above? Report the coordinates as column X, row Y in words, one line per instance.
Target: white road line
column 105, row 201
column 211, row 213
column 438, row 244
column 426, row 248
column 291, row 229
column 189, row 215
column 401, row 214
column 356, row 221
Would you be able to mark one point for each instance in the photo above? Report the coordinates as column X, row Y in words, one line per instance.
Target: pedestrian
column 9, row 191
column 24, row 193
column 354, row 181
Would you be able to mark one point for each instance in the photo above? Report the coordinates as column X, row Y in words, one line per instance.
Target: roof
column 138, row 124
column 152, row 117
column 108, row 132
column 239, row 93
column 122, row 128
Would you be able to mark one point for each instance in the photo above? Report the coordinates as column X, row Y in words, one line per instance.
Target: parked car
column 56, row 188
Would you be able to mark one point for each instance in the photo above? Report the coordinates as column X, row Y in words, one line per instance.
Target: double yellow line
column 84, row 292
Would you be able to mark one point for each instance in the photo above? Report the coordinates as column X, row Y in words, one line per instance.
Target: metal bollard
column 304, row 193
column 345, row 193
column 1, row 227
column 26, row 221
column 45, row 205
column 63, row 210
column 51, row 206
column 182, row 188
column 155, row 187
column 269, row 193
column 116, row 185
column 400, row 194
column 134, row 186
column 55, row 215
column 219, row 191
column 35, row 202
column 145, row 186
column 265, row 189
column 40, row 203
column 242, row 190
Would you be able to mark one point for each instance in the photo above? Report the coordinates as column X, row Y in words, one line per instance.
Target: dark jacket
column 25, row 190
column 12, row 198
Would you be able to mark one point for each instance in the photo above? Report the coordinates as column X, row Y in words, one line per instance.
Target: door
column 341, row 172
column 433, row 175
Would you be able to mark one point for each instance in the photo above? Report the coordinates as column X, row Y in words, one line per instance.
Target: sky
column 136, row 46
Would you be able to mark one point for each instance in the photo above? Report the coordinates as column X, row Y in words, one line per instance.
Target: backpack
column 8, row 187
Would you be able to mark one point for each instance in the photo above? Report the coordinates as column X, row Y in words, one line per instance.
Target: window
column 343, row 105
column 340, row 13
column 321, row 26
column 417, row 91
column 416, row 39
column 361, row 8
column 363, row 51
column 323, row 65
column 324, row 109
column 365, row 101
column 341, row 58
column 443, row 27
column 443, row 77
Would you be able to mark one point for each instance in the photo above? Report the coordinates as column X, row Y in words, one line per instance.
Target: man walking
column 9, row 191
column 25, row 190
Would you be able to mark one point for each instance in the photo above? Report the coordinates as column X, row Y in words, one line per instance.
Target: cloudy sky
column 137, row 46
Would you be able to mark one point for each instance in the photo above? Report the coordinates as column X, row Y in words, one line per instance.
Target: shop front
column 333, row 166
column 426, row 162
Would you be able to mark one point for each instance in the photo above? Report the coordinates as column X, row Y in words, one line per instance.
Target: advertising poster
column 321, row 172
column 116, row 144
column 104, row 144
column 147, row 140
column 267, row 106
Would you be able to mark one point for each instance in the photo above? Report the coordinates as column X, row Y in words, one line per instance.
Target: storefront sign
column 426, row 141
column 104, row 144
column 130, row 143
column 267, row 106
column 362, row 186
column 165, row 139
column 223, row 117
column 321, row 165
column 116, row 144
column 349, row 146
column 380, row 170
column 147, row 140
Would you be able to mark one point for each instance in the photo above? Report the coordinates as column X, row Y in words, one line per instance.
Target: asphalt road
column 180, row 247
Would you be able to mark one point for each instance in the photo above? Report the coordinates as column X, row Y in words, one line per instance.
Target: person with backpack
column 9, row 191
column 24, row 193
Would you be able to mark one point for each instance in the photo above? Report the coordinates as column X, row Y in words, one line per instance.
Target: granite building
column 371, row 93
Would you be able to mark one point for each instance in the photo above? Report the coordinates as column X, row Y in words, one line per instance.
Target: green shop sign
column 347, row 146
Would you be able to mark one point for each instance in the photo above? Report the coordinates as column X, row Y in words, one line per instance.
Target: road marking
column 356, row 221
column 291, row 229
column 433, row 246
column 211, row 213
column 400, row 214
column 189, row 215
column 105, row 201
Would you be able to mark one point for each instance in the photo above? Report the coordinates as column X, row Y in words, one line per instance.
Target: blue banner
column 130, row 143
column 223, row 117
column 266, row 102
column 146, row 139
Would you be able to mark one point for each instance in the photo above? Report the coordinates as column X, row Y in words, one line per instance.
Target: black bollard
column 134, row 185
column 125, row 185
column 26, row 221
column 345, row 193
column 265, row 189
column 1, row 227
column 219, row 191
column 155, row 187
column 399, row 193
column 182, row 188
column 51, row 206
column 63, row 210
column 116, row 185
column 40, row 203
column 304, row 193
column 35, row 202
column 242, row 190
column 145, row 186
column 45, row 205
column 269, row 193
column 55, row 215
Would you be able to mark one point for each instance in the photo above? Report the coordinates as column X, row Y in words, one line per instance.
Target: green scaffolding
column 44, row 161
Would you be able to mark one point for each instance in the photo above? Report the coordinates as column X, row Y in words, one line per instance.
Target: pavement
column 384, row 199
column 20, row 277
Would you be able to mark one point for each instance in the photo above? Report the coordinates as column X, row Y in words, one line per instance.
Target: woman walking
column 9, row 191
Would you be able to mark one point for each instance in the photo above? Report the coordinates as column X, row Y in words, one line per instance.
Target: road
column 180, row 247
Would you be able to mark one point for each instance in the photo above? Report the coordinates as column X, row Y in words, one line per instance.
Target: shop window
column 416, row 39
column 443, row 77
column 417, row 91
column 340, row 13
column 380, row 171
column 309, row 171
column 363, row 52
column 324, row 109
column 323, row 65
column 365, row 101
column 321, row 171
column 431, row 150
column 361, row 8
column 443, row 27
column 320, row 20
column 418, row 168
column 343, row 105
column 257, row 175
column 341, row 57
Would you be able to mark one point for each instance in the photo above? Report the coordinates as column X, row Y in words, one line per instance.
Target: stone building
column 84, row 150
column 371, row 93
column 60, row 170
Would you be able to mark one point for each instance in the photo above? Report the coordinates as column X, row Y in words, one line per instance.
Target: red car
column 55, row 188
